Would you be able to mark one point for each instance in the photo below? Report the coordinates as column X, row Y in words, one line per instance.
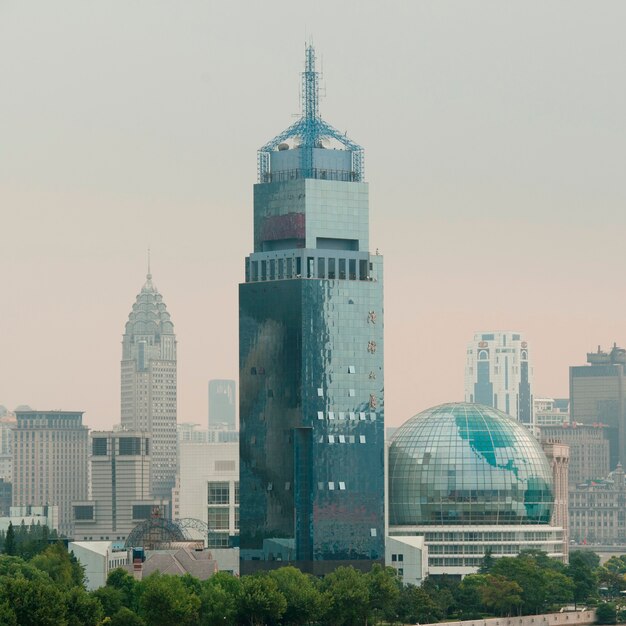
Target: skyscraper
column 311, row 355
column 498, row 374
column 222, row 400
column 50, row 461
column 148, row 394
column 597, row 394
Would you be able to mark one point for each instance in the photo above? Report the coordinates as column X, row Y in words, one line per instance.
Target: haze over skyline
column 494, row 148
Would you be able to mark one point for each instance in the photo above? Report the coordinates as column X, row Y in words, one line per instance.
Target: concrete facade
column 121, row 494
column 50, row 461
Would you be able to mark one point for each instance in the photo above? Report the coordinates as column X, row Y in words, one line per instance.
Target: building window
column 218, row 540
column 218, row 493
column 99, row 446
column 320, row 392
column 237, row 492
column 83, row 512
column 217, row 518
column 142, row 511
column 351, row 369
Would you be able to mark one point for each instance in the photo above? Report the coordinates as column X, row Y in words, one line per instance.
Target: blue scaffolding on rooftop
column 310, row 130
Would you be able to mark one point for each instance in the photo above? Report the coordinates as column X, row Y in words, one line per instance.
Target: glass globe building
column 468, row 478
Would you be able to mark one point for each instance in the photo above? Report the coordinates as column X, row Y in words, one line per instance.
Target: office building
column 589, row 449
column 597, row 394
column 50, row 461
column 222, row 403
column 7, row 425
column 597, row 510
column 311, row 355
column 498, row 374
column 121, row 494
column 468, row 478
column 148, row 394
column 551, row 411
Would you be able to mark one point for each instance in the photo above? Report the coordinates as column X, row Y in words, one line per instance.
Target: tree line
column 47, row 588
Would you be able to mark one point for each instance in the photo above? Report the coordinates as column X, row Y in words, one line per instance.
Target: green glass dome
column 467, row 464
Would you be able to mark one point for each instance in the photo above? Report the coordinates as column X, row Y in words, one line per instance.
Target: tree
column 35, row 601
column 165, row 601
column 500, row 595
column 58, row 564
column 347, row 597
column 122, row 581
column 260, row 600
column 110, row 599
column 304, row 601
column 9, row 541
column 469, row 597
column 487, row 562
column 83, row 609
column 416, row 606
column 384, row 590
column 581, row 570
column 606, row 613
column 126, row 617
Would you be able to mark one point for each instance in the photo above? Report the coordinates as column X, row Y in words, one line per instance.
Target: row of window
column 343, row 415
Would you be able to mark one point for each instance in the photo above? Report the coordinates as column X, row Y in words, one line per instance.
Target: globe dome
column 467, row 464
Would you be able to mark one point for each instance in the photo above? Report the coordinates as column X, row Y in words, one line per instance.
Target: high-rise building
column 148, row 394
column 558, row 455
column 222, row 402
column 311, row 355
column 589, row 449
column 597, row 394
column 50, row 461
column 7, row 425
column 551, row 411
column 498, row 374
column 121, row 496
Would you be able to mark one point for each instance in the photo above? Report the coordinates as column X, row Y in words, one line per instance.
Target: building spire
column 310, row 86
column 149, row 274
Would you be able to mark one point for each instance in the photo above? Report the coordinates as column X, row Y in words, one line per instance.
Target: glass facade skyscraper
column 311, row 356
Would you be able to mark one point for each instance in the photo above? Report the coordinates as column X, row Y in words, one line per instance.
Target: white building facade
column 148, row 383
column 498, row 373
column 209, row 489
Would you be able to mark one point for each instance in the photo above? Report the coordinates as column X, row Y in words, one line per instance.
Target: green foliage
column 384, row 590
column 606, row 613
column 347, row 597
column 82, row 608
column 260, row 601
column 125, row 617
column 111, row 600
column 166, row 601
column 416, row 606
column 10, row 546
column 304, row 600
column 582, row 571
column 500, row 595
column 62, row 567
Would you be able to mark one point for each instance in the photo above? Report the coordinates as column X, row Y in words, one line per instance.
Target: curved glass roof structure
column 467, row 464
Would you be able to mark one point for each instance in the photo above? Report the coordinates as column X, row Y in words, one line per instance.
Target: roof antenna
column 149, row 275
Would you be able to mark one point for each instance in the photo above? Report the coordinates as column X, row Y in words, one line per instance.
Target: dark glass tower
column 311, row 356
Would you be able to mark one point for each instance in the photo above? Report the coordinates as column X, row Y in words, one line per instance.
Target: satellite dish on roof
column 283, row 146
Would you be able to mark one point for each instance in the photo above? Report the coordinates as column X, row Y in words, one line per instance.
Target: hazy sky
column 495, row 140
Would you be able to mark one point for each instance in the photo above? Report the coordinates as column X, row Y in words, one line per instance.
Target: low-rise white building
column 209, row 491
column 98, row 558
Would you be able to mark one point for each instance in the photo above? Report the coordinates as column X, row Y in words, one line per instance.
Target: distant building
column 498, row 374
column 209, row 489
column 597, row 510
column 188, row 433
column 99, row 558
column 121, row 495
column 468, row 478
column 148, row 392
column 50, row 461
column 551, row 411
column 589, row 449
column 558, row 455
column 8, row 423
column 598, row 396
column 31, row 515
column 6, row 497
column 222, row 404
